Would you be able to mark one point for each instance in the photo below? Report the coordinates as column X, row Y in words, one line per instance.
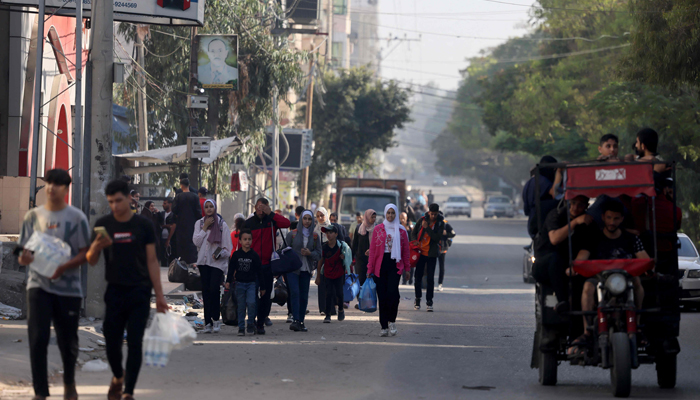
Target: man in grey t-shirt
column 57, row 298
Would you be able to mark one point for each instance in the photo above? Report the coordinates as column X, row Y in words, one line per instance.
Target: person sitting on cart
column 612, row 243
column 552, row 247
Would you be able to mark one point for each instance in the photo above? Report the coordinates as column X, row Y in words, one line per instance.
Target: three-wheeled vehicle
column 614, row 322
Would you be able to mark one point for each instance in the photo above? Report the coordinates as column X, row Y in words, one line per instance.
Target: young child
column 333, row 272
column 608, row 148
column 245, row 268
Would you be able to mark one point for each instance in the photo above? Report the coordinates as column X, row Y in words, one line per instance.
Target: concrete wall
column 14, row 202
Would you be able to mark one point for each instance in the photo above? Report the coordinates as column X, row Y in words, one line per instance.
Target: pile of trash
column 9, row 313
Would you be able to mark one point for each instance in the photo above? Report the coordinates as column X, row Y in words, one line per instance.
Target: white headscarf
column 318, row 227
column 394, row 229
column 306, row 231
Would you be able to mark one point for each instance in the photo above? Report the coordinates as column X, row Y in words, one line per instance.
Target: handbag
column 414, row 248
column 280, row 294
column 285, row 260
column 194, row 279
column 229, row 307
column 177, row 271
column 351, row 287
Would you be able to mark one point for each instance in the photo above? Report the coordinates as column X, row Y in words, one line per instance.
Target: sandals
column 116, row 386
column 579, row 346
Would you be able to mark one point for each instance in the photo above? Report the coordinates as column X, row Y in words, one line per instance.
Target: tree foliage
column 264, row 61
column 354, row 116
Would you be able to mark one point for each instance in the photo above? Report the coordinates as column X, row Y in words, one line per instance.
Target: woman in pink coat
column 389, row 257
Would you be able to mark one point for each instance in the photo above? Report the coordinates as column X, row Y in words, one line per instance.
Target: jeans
column 126, row 307
column 322, row 297
column 388, row 291
column 423, row 263
column 264, row 302
column 441, row 262
column 42, row 308
column 211, row 292
column 334, row 291
column 246, row 296
column 299, row 293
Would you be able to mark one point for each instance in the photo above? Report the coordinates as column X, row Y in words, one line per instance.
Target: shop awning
column 176, row 154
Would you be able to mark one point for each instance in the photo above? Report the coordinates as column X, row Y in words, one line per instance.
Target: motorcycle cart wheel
column 621, row 371
column 666, row 371
column 548, row 369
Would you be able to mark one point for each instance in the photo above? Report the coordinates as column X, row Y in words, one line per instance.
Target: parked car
column 439, row 181
column 457, row 205
column 499, row 206
column 689, row 271
column 528, row 262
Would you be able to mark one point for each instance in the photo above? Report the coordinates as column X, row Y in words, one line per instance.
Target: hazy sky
column 438, row 58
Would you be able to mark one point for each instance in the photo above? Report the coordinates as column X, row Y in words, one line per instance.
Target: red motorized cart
column 614, row 320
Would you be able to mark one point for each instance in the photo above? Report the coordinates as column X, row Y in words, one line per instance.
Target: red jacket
column 376, row 251
column 264, row 233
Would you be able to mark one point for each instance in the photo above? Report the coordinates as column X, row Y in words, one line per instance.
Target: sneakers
column 341, row 314
column 251, row 330
column 384, row 333
column 327, row 320
column 290, row 318
column 303, row 327
column 268, row 322
column 429, row 308
column 416, row 304
column 217, row 327
column 346, row 304
column 392, row 329
column 207, row 328
column 357, row 306
column 241, row 332
column 115, row 389
column 261, row 330
column 294, row 327
column 440, row 287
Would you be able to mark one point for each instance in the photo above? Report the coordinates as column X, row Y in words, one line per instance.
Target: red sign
column 611, row 179
column 239, row 181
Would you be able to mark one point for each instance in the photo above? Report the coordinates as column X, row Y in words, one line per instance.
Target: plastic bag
column 368, row 296
column 49, row 253
column 351, row 287
column 229, row 307
column 95, row 366
column 167, row 332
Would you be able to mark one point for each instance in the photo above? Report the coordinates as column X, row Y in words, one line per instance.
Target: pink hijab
column 364, row 228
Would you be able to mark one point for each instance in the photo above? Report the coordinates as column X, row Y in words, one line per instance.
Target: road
column 475, row 345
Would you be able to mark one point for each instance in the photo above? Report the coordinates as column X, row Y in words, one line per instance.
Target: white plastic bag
column 95, row 366
column 49, row 253
column 167, row 332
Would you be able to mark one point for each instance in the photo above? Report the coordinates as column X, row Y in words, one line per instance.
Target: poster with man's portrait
column 217, row 62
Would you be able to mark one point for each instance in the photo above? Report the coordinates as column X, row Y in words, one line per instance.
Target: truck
column 359, row 194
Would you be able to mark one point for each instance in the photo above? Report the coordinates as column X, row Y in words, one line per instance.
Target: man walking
column 202, row 194
column 428, row 231
column 187, row 211
column 56, row 298
column 264, row 225
column 131, row 267
column 167, row 221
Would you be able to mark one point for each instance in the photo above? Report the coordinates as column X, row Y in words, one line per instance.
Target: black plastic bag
column 177, row 271
column 194, row 279
column 229, row 308
column 280, row 293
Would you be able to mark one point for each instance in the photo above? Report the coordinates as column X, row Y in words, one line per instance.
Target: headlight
column 616, row 284
column 694, row 274
column 532, row 259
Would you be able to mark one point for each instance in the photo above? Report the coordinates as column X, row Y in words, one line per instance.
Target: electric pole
column 141, row 96
column 194, row 131
column 309, row 115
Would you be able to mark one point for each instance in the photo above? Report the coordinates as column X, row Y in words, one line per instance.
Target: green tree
column 356, row 115
column 263, row 62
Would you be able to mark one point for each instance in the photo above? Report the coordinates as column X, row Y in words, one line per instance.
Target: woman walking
column 307, row 244
column 238, row 222
column 360, row 244
column 151, row 213
column 408, row 274
column 322, row 221
column 213, row 240
column 389, row 257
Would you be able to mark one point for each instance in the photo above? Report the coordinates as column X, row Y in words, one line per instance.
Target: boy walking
column 57, row 298
column 333, row 272
column 132, row 270
column 245, row 268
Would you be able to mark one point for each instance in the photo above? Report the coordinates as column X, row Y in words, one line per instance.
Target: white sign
column 617, row 174
column 158, row 12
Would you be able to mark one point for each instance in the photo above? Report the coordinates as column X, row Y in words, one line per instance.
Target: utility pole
column 141, row 97
column 40, row 39
column 77, row 172
column 309, row 115
column 275, row 148
column 194, row 48
column 102, row 58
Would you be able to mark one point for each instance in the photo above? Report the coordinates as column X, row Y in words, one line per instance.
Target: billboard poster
column 159, row 12
column 217, row 62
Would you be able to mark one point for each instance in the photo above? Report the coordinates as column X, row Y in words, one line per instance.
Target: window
column 687, row 249
column 501, row 200
column 340, row 7
column 337, row 54
column 458, row 199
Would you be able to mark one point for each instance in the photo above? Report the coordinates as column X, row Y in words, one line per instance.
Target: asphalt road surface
column 475, row 345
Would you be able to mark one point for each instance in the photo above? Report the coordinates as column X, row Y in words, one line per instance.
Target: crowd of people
column 134, row 241
column 610, row 228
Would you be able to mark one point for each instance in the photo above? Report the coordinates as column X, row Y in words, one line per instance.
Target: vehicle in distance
column 689, row 272
column 499, row 206
column 357, row 195
column 457, row 205
column 439, row 181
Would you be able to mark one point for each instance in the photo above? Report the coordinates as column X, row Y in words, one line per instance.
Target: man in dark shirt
column 131, row 268
column 612, row 243
column 187, row 211
column 552, row 246
column 245, row 269
column 333, row 272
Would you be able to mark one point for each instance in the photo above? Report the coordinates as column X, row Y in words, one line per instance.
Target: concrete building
column 364, row 35
column 341, row 48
